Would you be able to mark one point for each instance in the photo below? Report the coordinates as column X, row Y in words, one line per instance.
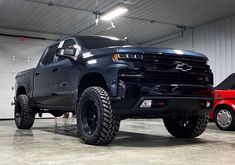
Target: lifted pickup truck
column 105, row 80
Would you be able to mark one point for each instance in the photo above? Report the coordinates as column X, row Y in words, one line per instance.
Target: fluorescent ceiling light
column 113, row 13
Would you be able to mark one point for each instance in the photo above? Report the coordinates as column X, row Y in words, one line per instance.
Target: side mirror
column 67, row 53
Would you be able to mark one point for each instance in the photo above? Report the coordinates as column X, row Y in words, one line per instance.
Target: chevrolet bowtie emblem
column 183, row 67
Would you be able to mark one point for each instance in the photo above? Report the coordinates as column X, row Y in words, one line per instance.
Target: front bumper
column 167, row 100
column 165, row 106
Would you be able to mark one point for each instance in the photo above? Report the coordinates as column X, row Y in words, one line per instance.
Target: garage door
column 15, row 56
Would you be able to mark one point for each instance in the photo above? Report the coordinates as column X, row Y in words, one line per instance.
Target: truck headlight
column 126, row 56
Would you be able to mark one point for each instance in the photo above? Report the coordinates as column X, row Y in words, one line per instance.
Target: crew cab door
column 42, row 77
column 65, row 78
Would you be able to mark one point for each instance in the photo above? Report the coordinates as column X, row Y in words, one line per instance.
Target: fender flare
column 20, row 87
column 226, row 103
column 222, row 103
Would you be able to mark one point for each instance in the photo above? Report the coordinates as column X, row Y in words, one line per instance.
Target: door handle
column 54, row 69
column 37, row 73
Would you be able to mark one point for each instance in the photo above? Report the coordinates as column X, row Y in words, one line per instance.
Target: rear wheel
column 225, row 118
column 24, row 115
column 96, row 123
column 186, row 127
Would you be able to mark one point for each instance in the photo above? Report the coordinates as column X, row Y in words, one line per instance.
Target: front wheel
column 186, row 127
column 225, row 119
column 96, row 122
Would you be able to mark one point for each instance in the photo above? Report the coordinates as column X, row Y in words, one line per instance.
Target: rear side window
column 67, row 44
column 50, row 54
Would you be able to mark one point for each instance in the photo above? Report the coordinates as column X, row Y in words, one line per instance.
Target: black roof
column 228, row 83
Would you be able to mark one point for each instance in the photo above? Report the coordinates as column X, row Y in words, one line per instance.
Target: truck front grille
column 162, row 69
column 169, row 63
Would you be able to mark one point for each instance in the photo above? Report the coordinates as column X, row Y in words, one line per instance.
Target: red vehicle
column 224, row 104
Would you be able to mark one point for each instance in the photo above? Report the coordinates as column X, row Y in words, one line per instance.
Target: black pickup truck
column 105, row 80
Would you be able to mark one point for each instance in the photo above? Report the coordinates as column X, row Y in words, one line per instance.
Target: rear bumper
column 165, row 106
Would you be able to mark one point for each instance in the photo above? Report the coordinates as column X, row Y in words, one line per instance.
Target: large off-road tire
column 24, row 115
column 96, row 122
column 225, row 118
column 186, row 127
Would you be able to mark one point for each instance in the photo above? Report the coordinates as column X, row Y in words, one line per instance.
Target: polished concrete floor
column 54, row 141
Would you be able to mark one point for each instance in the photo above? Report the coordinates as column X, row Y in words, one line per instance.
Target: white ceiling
column 146, row 20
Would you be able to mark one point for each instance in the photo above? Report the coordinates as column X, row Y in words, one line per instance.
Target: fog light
column 146, row 104
column 208, row 104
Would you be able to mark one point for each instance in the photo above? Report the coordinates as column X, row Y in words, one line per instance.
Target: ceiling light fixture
column 97, row 19
column 116, row 12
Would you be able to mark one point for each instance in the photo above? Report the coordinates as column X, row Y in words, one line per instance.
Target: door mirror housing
column 67, row 53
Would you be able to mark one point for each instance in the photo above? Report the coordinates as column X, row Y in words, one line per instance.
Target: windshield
column 228, row 83
column 102, row 42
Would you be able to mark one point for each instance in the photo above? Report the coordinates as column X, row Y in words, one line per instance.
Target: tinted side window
column 67, row 44
column 50, row 54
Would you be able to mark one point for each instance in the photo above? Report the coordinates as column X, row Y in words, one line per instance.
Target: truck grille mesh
column 163, row 69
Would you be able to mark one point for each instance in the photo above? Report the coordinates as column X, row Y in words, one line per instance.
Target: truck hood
column 150, row 50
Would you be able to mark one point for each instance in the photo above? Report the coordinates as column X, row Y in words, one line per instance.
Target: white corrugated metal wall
column 216, row 40
column 26, row 55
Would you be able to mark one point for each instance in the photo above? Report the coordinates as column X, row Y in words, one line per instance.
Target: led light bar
column 124, row 56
